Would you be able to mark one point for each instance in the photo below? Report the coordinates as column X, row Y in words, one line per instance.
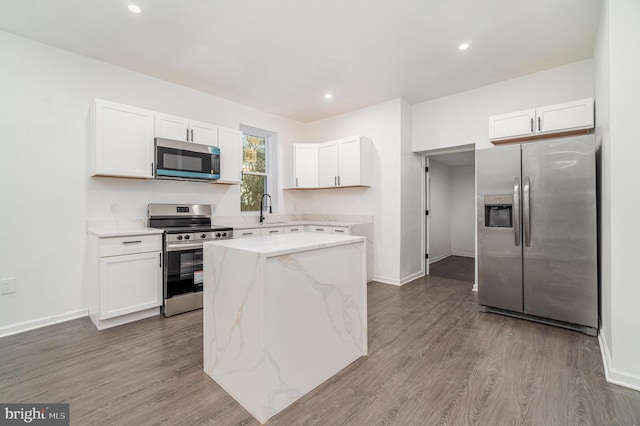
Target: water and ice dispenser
column 498, row 211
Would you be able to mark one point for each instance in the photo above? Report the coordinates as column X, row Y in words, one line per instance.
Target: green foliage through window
column 254, row 172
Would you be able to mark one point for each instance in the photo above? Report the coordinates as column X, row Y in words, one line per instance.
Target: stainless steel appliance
column 186, row 227
column 537, row 234
column 186, row 161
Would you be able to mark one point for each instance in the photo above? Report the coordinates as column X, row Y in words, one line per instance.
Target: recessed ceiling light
column 134, row 8
column 328, row 96
column 463, row 46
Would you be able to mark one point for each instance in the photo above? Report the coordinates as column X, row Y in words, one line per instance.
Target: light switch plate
column 8, row 285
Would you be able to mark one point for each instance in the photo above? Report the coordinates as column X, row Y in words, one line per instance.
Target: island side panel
column 233, row 334
column 315, row 319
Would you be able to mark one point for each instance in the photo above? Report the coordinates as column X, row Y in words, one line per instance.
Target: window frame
column 270, row 139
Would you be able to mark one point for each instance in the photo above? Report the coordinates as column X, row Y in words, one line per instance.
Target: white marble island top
column 276, row 245
column 282, row 314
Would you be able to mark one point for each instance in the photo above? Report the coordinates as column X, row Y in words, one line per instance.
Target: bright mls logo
column 34, row 414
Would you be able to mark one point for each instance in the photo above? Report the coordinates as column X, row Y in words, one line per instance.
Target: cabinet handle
column 338, row 230
column 539, row 126
column 191, row 135
column 319, row 229
column 532, row 125
column 296, row 182
column 160, row 259
column 152, row 168
column 132, row 242
column 247, row 233
column 273, row 232
column 338, row 180
column 294, row 230
column 335, row 181
column 187, row 135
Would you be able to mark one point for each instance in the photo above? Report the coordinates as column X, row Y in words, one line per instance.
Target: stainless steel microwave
column 186, row 160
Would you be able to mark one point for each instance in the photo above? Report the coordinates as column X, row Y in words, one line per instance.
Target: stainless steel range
column 186, row 227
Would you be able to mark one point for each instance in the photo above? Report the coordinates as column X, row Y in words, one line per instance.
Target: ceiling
column 282, row 56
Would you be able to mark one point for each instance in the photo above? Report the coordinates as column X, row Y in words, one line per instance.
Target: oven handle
column 182, row 246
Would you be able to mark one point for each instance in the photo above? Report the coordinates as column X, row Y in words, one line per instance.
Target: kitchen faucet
column 261, row 208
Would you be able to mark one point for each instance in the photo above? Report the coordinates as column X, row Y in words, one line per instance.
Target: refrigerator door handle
column 526, row 211
column 516, row 211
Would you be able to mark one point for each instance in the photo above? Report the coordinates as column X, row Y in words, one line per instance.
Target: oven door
column 176, row 159
column 183, row 271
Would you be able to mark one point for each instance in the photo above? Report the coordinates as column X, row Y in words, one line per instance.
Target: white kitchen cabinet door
column 349, row 162
column 341, row 230
column 172, row 127
column 305, row 165
column 515, row 124
column 203, row 133
column 130, row 283
column 122, row 140
column 293, row 229
column 328, row 164
column 271, row 231
column 564, row 117
column 318, row 228
column 230, row 142
column 246, row 233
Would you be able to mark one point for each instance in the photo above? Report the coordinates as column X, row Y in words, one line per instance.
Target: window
column 255, row 170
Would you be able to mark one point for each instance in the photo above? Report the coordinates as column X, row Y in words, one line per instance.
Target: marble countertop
column 119, row 228
column 251, row 225
column 276, row 245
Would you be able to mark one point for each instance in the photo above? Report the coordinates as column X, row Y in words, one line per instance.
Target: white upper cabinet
column 345, row 162
column 182, row 129
column 567, row 116
column 512, row 125
column 305, row 165
column 203, row 133
column 340, row 163
column 558, row 118
column 230, row 142
column 122, row 142
column 328, row 164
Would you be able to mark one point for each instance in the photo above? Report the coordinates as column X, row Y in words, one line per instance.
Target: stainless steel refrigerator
column 537, row 231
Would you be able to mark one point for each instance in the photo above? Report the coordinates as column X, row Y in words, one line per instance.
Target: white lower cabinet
column 125, row 278
column 344, row 230
column 271, row 231
column 245, row 233
column 293, row 229
column 318, row 228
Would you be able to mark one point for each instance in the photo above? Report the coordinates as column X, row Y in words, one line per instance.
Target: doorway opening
column 450, row 216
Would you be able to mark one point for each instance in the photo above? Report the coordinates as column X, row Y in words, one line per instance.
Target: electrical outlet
column 113, row 208
column 7, row 285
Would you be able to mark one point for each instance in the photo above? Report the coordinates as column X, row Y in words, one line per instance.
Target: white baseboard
column 436, row 259
column 8, row 330
column 463, row 254
column 612, row 375
column 401, row 281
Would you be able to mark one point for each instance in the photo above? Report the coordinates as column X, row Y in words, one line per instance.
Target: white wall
column 412, row 181
column 384, row 124
column 439, row 210
column 617, row 68
column 463, row 118
column 46, row 193
column 463, row 213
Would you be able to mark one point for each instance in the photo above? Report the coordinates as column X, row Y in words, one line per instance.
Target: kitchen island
column 282, row 314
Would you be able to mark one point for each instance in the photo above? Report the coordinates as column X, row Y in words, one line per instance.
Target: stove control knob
column 186, row 237
column 224, row 234
column 203, row 236
column 179, row 237
column 217, row 235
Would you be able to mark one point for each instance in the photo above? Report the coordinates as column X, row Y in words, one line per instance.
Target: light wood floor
column 434, row 360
